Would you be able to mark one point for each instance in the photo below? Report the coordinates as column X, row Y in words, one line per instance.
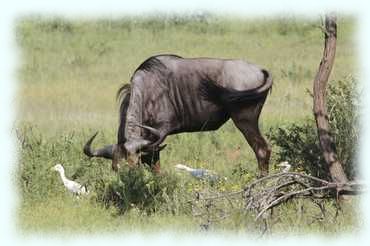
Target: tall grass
column 68, row 79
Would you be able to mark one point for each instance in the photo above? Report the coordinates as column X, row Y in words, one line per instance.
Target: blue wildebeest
column 169, row 94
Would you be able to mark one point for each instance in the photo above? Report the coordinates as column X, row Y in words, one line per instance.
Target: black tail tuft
column 216, row 93
column 211, row 91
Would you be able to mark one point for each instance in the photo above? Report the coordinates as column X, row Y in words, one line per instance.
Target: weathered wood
column 319, row 105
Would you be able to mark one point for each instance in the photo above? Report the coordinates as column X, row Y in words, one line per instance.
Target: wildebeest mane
column 153, row 64
column 122, row 92
column 123, row 96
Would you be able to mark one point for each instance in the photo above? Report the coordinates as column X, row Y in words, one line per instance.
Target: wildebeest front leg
column 248, row 125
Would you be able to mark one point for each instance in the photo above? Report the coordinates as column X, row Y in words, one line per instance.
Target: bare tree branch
column 320, row 111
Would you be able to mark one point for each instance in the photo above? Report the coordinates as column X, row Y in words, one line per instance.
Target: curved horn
column 158, row 134
column 160, row 148
column 87, row 148
column 148, row 149
column 105, row 152
column 151, row 129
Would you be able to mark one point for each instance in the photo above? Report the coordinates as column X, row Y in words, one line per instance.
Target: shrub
column 140, row 188
column 343, row 109
column 298, row 143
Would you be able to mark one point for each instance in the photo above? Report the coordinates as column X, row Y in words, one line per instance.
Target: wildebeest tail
column 226, row 96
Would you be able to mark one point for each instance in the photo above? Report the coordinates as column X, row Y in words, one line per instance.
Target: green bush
column 139, row 188
column 298, row 142
column 343, row 109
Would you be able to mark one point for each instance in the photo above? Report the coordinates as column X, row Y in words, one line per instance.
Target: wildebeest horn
column 151, row 129
column 148, row 149
column 105, row 152
column 158, row 134
column 161, row 147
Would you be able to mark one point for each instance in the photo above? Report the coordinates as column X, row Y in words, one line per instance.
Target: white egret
column 198, row 173
column 286, row 166
column 71, row 185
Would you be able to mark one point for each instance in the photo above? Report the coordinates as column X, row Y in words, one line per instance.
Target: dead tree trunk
column 319, row 105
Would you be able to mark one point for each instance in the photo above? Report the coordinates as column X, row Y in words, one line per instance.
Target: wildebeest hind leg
column 247, row 122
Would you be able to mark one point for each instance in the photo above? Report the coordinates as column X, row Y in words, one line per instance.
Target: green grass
column 63, row 214
column 68, row 79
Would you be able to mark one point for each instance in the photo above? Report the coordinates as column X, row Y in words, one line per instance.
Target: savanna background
column 70, row 72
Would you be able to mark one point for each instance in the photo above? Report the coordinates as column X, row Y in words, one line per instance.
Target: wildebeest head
column 116, row 152
column 132, row 152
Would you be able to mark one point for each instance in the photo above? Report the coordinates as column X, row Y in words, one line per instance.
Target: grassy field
column 68, row 78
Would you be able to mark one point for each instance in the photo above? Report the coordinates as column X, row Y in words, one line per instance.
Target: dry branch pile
column 262, row 195
column 268, row 192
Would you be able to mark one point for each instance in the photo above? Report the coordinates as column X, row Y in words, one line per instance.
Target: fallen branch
column 266, row 193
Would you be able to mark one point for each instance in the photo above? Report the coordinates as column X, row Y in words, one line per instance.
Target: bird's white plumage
column 199, row 173
column 286, row 166
column 71, row 185
column 183, row 167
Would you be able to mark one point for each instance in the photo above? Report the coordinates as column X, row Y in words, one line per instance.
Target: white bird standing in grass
column 198, row 173
column 286, row 166
column 71, row 185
